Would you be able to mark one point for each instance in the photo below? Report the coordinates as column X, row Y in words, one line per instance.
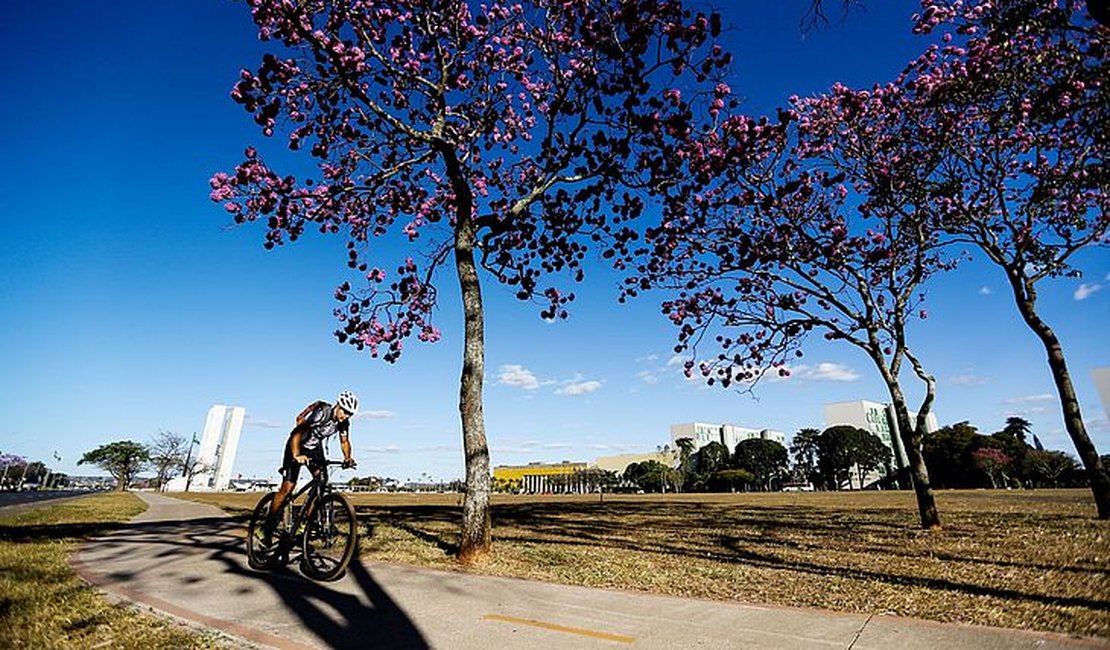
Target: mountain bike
column 323, row 528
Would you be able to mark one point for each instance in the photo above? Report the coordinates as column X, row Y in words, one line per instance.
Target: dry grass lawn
column 44, row 605
column 1023, row 559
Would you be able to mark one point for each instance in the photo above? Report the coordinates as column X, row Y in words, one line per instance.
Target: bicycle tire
column 259, row 557
column 329, row 539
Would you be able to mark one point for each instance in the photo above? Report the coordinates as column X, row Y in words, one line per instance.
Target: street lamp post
column 52, row 474
column 23, row 478
column 188, row 459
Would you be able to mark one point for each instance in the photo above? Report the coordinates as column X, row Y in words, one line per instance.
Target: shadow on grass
column 767, row 537
column 56, row 532
column 210, row 551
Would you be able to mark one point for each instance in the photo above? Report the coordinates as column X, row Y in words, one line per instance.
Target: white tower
column 218, row 446
column 1102, row 385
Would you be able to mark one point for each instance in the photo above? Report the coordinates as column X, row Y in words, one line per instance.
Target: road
column 187, row 560
column 13, row 501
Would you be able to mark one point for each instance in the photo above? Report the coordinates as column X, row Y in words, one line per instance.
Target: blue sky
column 128, row 305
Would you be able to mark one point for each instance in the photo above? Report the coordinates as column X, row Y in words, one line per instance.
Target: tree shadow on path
column 338, row 615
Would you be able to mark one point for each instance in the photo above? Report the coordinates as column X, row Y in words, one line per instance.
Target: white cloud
column 676, row 360
column 604, row 447
column 518, row 376
column 647, row 377
column 985, row 291
column 1032, row 410
column 531, row 447
column 251, row 421
column 1086, row 290
column 825, row 371
column 391, row 449
column 967, row 379
column 647, row 359
column 374, row 415
column 439, row 448
column 1097, row 424
column 1029, row 399
column 579, row 388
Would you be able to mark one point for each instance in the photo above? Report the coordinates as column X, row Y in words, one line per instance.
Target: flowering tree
column 12, row 465
column 764, row 249
column 993, row 462
column 1018, row 101
column 507, row 137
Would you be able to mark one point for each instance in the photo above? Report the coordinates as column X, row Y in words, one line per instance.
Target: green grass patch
column 43, row 604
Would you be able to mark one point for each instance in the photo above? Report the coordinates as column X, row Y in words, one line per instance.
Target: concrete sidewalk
column 188, row 560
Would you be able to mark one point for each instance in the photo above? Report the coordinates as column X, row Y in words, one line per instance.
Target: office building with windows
column 878, row 419
column 729, row 435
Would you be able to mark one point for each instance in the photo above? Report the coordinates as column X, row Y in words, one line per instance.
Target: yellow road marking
column 561, row 628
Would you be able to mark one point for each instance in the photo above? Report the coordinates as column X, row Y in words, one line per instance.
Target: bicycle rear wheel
column 260, row 555
column 329, row 539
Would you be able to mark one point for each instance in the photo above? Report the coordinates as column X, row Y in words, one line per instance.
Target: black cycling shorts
column 291, row 469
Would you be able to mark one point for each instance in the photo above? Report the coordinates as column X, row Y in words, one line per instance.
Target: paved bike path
column 188, row 560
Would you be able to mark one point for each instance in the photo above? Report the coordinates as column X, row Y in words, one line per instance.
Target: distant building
column 620, row 463
column 729, row 435
column 218, row 446
column 536, row 478
column 878, row 419
column 92, row 482
column 1102, row 385
column 252, row 484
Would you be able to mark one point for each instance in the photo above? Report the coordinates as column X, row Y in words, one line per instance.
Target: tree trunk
column 911, row 441
column 475, row 539
column 1026, row 298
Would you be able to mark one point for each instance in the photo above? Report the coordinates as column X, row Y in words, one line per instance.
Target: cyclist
column 318, row 422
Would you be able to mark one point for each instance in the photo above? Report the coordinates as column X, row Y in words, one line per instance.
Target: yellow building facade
column 533, row 477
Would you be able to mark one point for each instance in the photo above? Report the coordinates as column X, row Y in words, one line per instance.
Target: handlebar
column 334, row 462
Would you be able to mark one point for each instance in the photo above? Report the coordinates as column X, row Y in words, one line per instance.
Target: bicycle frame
column 317, row 488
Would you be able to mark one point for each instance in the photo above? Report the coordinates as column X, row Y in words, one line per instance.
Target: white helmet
column 348, row 402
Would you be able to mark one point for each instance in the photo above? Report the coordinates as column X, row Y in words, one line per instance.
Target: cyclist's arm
column 345, row 445
column 295, row 444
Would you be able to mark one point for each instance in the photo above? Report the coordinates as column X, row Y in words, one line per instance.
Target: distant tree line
column 846, row 457
column 17, row 472
column 754, row 465
column 961, row 457
column 839, row 456
column 168, row 454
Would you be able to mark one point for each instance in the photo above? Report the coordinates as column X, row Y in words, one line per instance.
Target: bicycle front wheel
column 329, row 539
column 261, row 552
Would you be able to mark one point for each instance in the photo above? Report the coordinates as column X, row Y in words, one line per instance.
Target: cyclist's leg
column 317, row 462
column 290, row 470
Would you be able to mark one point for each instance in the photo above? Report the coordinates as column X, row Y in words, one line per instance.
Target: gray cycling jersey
column 322, row 425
